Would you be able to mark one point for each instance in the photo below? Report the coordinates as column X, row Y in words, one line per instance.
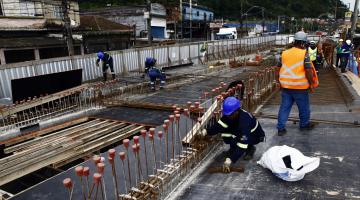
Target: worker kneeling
column 239, row 129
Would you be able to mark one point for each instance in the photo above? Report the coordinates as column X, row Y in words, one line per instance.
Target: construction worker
column 107, row 62
column 297, row 77
column 239, row 95
column 154, row 73
column 239, row 129
column 315, row 56
column 346, row 49
column 149, row 62
column 339, row 51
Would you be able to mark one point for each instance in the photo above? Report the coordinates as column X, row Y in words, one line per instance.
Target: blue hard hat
column 148, row 59
column 230, row 105
column 100, row 54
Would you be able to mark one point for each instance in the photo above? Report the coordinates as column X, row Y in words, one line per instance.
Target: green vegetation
column 230, row 9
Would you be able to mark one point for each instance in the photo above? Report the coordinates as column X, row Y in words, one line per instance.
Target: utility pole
column 355, row 18
column 148, row 6
column 278, row 24
column 241, row 17
column 181, row 17
column 190, row 20
column 263, row 19
column 68, row 31
column 336, row 2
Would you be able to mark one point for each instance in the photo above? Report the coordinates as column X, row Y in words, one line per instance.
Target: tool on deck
column 213, row 170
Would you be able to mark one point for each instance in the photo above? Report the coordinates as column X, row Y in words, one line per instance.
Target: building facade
column 198, row 13
column 199, row 17
column 134, row 16
column 36, row 14
column 33, row 30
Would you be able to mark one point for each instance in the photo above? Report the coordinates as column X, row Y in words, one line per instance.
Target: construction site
column 120, row 140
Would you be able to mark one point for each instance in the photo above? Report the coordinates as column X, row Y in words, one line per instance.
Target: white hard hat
column 341, row 40
column 312, row 42
column 348, row 42
column 300, row 36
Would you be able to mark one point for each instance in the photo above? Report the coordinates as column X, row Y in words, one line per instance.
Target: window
column 57, row 12
column 1, row 11
column 184, row 11
column 210, row 17
column 197, row 13
column 13, row 56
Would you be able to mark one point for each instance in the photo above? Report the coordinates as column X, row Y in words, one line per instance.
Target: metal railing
column 132, row 60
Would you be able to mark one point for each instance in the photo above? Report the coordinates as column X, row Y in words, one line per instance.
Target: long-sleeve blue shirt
column 346, row 50
column 239, row 133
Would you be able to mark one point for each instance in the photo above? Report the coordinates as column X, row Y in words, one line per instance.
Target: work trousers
column 156, row 74
column 288, row 97
column 106, row 65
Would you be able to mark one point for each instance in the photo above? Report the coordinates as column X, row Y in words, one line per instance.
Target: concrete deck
column 336, row 145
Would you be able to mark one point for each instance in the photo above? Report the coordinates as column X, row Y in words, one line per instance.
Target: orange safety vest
column 292, row 72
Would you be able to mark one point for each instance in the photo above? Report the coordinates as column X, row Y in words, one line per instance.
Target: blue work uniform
column 107, row 62
column 149, row 62
column 345, row 54
column 155, row 73
column 240, row 134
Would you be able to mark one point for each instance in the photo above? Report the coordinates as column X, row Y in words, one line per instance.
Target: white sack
column 273, row 159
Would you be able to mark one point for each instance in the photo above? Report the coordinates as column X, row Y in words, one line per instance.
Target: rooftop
column 97, row 23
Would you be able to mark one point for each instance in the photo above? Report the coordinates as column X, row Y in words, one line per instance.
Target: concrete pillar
column 37, row 54
column 2, row 57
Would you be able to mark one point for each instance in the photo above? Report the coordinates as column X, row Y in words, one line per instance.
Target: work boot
column 250, row 152
column 281, row 132
column 310, row 126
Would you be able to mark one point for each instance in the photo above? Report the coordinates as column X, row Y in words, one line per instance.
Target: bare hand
column 311, row 90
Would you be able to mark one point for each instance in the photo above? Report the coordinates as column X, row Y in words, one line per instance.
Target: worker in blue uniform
column 154, row 73
column 107, row 62
column 239, row 129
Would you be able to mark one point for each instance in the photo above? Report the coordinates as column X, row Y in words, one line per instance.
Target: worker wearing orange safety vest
column 297, row 77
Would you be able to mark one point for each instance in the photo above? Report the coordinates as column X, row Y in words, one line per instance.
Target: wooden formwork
column 61, row 145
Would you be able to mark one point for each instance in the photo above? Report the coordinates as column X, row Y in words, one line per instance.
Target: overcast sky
column 352, row 3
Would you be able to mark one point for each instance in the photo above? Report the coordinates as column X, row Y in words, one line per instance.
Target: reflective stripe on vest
column 242, row 146
column 292, row 71
column 227, row 135
column 257, row 124
column 223, row 124
column 312, row 54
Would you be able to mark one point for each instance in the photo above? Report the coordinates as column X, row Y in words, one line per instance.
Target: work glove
column 226, row 165
column 203, row 132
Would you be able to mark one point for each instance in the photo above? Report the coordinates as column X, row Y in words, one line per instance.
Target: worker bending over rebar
column 107, row 62
column 154, row 73
column 239, row 129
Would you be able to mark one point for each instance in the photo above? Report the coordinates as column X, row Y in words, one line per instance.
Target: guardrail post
column 122, row 62
column 179, row 54
column 190, row 52
column 139, row 61
column 168, row 56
